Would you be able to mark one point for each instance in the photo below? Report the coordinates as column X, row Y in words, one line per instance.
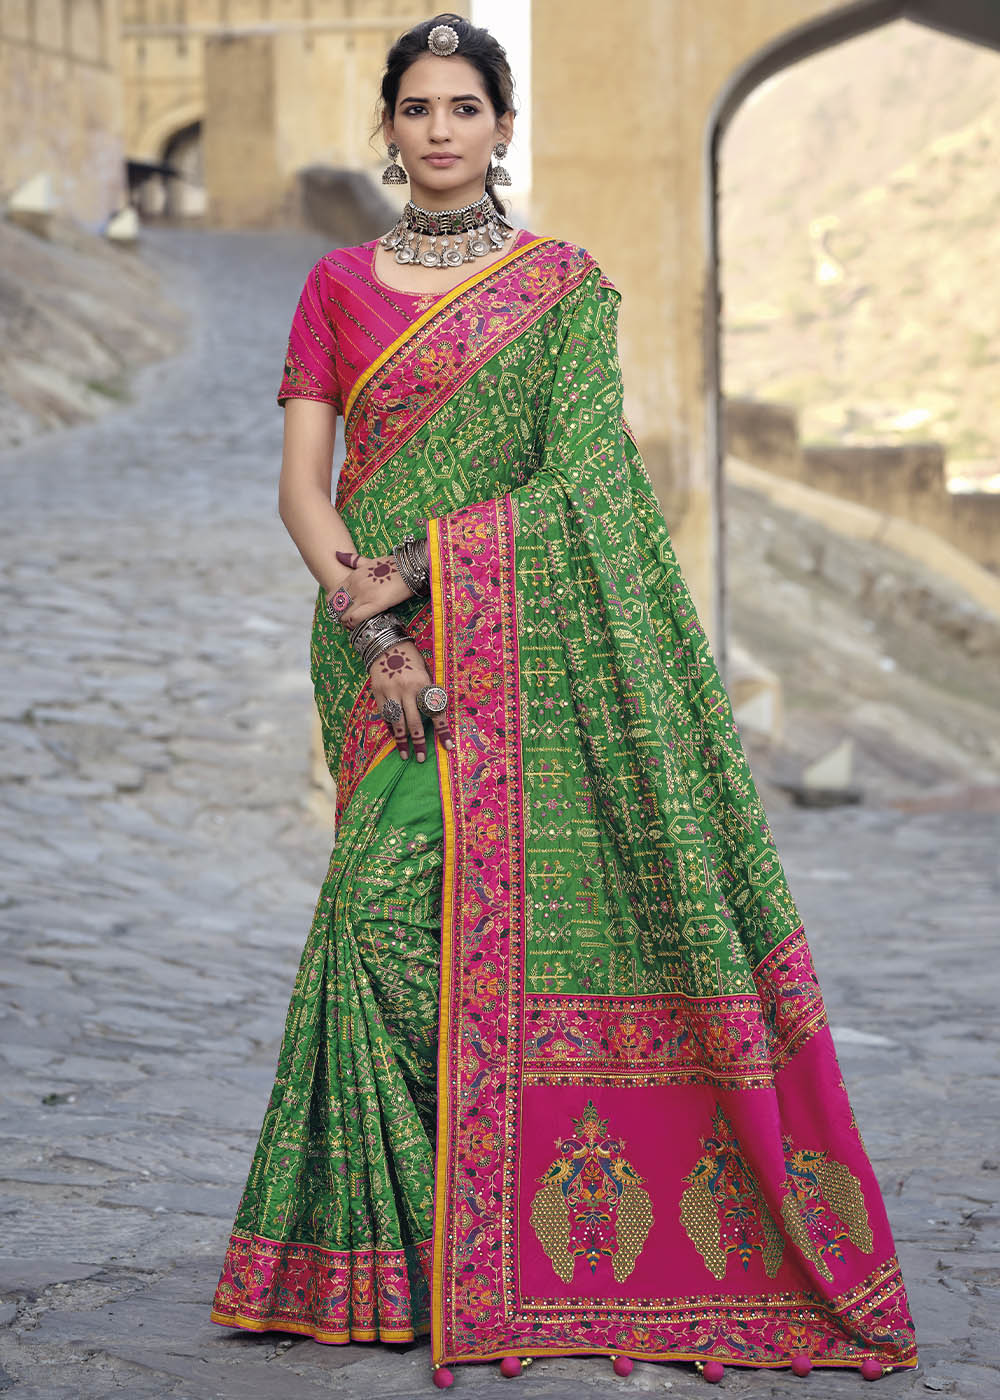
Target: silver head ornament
column 442, row 40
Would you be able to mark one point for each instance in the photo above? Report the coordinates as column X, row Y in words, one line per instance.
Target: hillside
column 870, row 645
column 860, row 237
column 77, row 316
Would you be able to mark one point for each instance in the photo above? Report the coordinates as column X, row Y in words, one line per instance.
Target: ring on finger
column 392, row 711
column 338, row 602
column 432, row 699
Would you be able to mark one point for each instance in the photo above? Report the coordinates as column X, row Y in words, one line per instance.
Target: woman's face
column 442, row 110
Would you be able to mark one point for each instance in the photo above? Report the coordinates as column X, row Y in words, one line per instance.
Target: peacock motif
column 591, row 1202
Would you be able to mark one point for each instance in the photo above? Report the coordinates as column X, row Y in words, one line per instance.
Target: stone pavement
column 160, row 867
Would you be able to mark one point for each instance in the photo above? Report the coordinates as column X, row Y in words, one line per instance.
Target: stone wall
column 908, row 481
column 276, row 85
column 61, row 103
column 630, row 106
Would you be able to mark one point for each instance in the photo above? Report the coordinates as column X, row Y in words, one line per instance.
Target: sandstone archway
column 157, row 133
column 964, row 19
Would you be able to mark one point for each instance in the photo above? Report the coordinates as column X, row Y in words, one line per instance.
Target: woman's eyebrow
column 463, row 97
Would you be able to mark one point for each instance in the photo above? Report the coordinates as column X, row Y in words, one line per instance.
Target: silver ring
column 392, row 711
column 431, row 699
column 338, row 602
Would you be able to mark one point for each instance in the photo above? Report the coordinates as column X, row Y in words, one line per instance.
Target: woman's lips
column 440, row 160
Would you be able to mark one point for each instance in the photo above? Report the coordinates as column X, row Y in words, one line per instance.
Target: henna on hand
column 393, row 661
column 398, row 661
column 379, row 571
column 373, row 577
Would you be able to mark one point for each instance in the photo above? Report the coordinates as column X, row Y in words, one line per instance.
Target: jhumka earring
column 395, row 174
column 497, row 174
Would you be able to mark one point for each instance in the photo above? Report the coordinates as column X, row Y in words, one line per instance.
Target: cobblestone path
column 160, row 867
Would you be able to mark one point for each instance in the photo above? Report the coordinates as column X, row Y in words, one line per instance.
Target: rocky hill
column 869, row 645
column 77, row 316
column 860, row 239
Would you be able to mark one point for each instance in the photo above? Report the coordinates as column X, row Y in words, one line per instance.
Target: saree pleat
column 599, row 1008
column 332, row 1235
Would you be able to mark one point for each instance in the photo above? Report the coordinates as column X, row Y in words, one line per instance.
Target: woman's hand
column 398, row 674
column 374, row 586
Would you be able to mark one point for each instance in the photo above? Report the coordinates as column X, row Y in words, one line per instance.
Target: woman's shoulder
column 343, row 261
column 579, row 265
column 579, row 261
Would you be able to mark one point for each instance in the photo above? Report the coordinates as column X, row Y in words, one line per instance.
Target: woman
column 556, row 1075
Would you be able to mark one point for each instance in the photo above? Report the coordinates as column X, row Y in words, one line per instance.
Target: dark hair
column 475, row 44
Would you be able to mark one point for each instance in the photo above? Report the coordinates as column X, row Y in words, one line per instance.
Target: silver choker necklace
column 480, row 225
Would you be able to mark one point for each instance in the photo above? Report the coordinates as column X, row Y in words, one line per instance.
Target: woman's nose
column 439, row 123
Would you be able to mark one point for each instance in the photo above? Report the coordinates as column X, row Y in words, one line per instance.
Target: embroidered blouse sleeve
column 311, row 359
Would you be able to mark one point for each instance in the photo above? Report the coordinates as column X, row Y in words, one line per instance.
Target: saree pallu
column 643, row 1142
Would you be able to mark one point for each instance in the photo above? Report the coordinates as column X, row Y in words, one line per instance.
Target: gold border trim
column 447, row 959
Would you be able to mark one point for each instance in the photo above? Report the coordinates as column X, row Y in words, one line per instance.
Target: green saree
column 557, row 1076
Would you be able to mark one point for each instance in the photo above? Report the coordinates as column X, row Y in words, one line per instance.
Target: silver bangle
column 372, row 627
column 383, row 644
column 382, row 627
column 411, row 558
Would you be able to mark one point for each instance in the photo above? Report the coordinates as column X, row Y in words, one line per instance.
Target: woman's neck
column 440, row 201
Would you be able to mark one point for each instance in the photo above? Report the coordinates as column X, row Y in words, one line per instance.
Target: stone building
column 630, row 103
column 61, row 103
column 283, row 84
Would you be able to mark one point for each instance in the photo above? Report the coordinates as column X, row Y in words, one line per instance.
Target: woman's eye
column 419, row 107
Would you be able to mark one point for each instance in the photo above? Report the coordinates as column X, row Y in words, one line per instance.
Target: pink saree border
column 333, row 1296
column 737, row 1041
column 481, row 1309
column 470, row 551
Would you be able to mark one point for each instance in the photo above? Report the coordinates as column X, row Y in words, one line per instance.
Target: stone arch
column 158, row 133
column 962, row 19
column 184, row 151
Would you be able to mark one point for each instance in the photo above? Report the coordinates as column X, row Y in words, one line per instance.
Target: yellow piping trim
column 447, row 930
column 439, row 305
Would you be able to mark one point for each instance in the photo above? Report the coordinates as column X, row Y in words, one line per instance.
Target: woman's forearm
column 318, row 531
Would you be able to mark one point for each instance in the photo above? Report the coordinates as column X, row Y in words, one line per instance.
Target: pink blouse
column 345, row 318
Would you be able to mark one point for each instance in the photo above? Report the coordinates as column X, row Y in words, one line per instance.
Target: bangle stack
column 412, row 563
column 377, row 634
